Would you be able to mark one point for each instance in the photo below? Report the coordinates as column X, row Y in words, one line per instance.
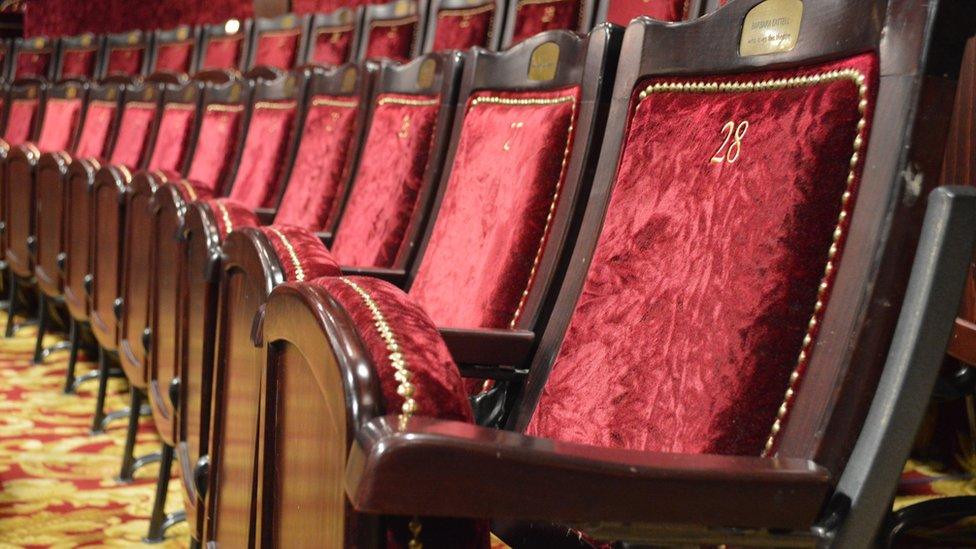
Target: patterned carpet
column 57, row 481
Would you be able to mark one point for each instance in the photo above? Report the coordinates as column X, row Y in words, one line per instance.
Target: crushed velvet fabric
column 257, row 179
column 699, row 293
column 391, row 169
column 331, row 46
column 172, row 137
column 535, row 16
column 229, row 215
column 20, row 121
column 302, row 255
column 223, row 53
column 438, row 389
column 29, row 64
column 216, row 140
column 78, row 63
column 60, row 120
column 130, row 142
column 621, row 12
column 392, row 40
column 320, row 165
column 174, row 56
column 95, row 130
column 125, row 61
column 463, row 28
column 492, row 222
column 278, row 49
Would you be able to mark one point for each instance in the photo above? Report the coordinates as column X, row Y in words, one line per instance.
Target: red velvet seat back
column 331, row 46
column 714, row 267
column 94, row 132
column 20, row 121
column 30, row 64
column 392, row 39
column 125, row 61
column 278, row 49
column 133, row 134
column 79, row 63
column 61, row 117
column 460, row 29
column 535, row 16
column 621, row 12
column 223, row 52
column 492, row 223
column 317, row 176
column 265, row 144
column 391, row 170
column 172, row 137
column 215, row 145
column 175, row 56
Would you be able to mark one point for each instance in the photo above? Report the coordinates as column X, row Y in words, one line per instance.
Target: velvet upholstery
column 32, row 64
column 492, row 223
column 61, row 118
column 125, row 61
column 278, row 49
column 223, row 53
column 133, row 134
column 174, row 56
column 703, row 285
column 69, row 17
column 20, row 121
column 302, row 255
column 438, row 390
column 392, row 40
column 217, row 138
column 78, row 63
column 95, row 130
column 331, row 46
column 316, row 178
column 230, row 216
column 463, row 28
column 172, row 137
column 535, row 16
column 621, row 12
column 391, row 169
column 265, row 144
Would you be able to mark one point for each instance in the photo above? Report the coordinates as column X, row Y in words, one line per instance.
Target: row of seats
column 583, row 282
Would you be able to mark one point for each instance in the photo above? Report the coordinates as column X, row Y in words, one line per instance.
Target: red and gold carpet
column 57, row 481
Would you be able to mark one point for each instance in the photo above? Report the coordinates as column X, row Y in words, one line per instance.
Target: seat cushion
column 724, row 230
column 383, row 198
column 133, row 134
column 78, row 63
column 230, row 215
column 265, row 145
column 32, row 64
column 20, row 121
column 392, row 39
column 460, row 29
column 621, row 12
column 215, row 145
column 223, row 52
column 302, row 255
column 493, row 221
column 535, row 16
column 277, row 49
column 172, row 137
column 95, row 130
column 331, row 46
column 125, row 61
column 60, row 120
column 174, row 56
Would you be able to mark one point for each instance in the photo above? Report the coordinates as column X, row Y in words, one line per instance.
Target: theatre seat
column 710, row 373
column 391, row 31
column 33, row 58
column 79, row 56
column 225, row 46
column 175, row 50
column 525, row 18
column 333, row 37
column 621, row 12
column 461, row 24
column 279, row 41
column 127, row 54
column 512, row 226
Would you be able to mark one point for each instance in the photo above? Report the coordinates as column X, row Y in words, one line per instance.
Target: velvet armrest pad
column 449, row 468
column 489, row 347
column 397, row 277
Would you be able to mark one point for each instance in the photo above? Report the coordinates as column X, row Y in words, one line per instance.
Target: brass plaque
column 345, row 15
column 290, row 85
column 426, row 75
column 86, row 40
column 182, row 33
column 149, row 93
column 402, row 8
column 31, row 93
column 133, row 38
column 39, row 43
column 189, row 94
column 232, row 26
column 771, row 27
column 71, row 92
column 288, row 21
column 112, row 92
column 544, row 61
column 349, row 80
column 235, row 92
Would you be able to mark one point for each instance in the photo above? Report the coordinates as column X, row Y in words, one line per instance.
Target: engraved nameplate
column 545, row 60
column 348, row 80
column 771, row 27
column 425, row 76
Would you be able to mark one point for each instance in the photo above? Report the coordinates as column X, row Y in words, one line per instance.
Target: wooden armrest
column 448, row 468
column 266, row 215
column 962, row 345
column 397, row 277
column 489, row 347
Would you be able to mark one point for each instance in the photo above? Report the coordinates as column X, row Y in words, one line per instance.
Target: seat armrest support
column 489, row 347
column 397, row 277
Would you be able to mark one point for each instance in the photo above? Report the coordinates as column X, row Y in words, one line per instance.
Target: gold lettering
column 732, row 145
column 508, row 144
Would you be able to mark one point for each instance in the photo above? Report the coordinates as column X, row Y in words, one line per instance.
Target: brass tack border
column 125, row 173
column 857, row 78
column 189, row 189
column 217, row 107
column 407, row 102
column 179, row 106
column 276, row 105
column 225, row 215
column 299, row 271
column 140, row 105
column 326, row 102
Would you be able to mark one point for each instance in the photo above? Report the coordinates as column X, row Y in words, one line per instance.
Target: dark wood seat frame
column 831, row 474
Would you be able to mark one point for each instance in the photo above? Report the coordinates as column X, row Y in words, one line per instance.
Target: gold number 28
column 732, row 146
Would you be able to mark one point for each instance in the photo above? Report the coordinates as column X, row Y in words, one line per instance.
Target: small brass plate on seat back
column 425, row 76
column 349, row 80
column 544, row 61
column 771, row 27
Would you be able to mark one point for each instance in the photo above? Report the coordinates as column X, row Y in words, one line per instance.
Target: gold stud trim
column 125, row 173
column 190, row 191
column 64, row 100
column 857, row 78
column 140, row 105
column 225, row 215
column 326, row 102
column 332, row 30
column 492, row 100
column 465, row 14
column 180, row 106
column 102, row 103
column 299, row 271
column 217, row 107
column 403, row 375
column 276, row 105
column 407, row 102
column 282, row 32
